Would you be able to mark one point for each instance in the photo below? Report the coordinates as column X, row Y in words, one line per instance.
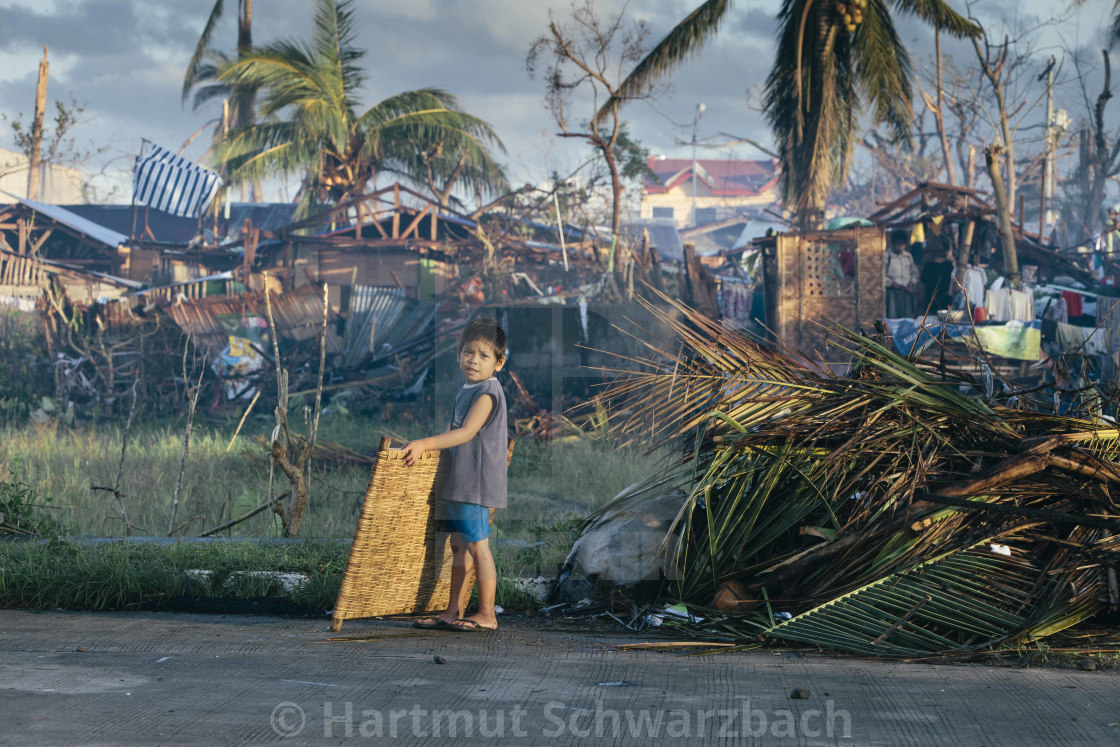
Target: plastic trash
column 680, row 611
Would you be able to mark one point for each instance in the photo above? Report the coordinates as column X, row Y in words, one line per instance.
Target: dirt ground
column 178, row 678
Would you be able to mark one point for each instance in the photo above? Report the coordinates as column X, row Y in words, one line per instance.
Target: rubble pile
column 887, row 507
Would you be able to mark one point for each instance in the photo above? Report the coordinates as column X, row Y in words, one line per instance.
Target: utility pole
column 1048, row 162
column 35, row 157
column 695, row 126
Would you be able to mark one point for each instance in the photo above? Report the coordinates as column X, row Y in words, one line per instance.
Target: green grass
column 549, row 483
column 128, row 575
column 552, row 486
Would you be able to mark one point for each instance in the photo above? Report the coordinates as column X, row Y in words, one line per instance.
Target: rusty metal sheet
column 298, row 316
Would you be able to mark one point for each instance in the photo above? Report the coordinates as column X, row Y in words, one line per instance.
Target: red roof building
column 724, row 189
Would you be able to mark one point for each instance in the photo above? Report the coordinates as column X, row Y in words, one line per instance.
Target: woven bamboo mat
column 400, row 562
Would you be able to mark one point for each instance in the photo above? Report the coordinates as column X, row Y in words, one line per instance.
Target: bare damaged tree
column 292, row 453
column 116, row 489
column 591, row 55
column 993, row 62
column 1098, row 157
column 35, row 157
column 935, row 105
column 961, row 105
column 1003, row 211
column 192, row 405
column 1010, row 70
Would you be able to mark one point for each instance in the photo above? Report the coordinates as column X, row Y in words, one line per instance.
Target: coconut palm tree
column 835, row 57
column 202, row 73
column 310, row 122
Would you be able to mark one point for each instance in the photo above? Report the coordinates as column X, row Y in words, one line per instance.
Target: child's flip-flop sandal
column 432, row 623
column 469, row 626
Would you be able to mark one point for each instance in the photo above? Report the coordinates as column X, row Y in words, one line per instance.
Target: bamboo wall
column 806, row 280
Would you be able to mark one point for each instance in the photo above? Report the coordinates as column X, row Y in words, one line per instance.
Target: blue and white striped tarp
column 167, row 182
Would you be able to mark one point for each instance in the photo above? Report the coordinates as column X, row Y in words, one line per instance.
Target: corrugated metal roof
column 95, row 231
column 381, row 319
column 372, row 310
column 174, row 229
column 299, row 316
column 663, row 236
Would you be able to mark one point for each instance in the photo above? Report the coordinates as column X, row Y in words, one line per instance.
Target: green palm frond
column 965, row 598
column 805, row 485
column 335, row 41
column 884, row 70
column 196, row 71
column 940, row 15
column 682, row 41
column 311, row 119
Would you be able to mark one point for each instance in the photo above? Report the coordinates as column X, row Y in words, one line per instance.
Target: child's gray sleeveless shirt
column 478, row 467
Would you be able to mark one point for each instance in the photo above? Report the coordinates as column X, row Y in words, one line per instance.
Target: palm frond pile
column 887, row 510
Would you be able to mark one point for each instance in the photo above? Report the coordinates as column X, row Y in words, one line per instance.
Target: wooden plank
column 396, row 211
column 377, row 224
column 415, row 222
column 42, row 239
column 903, row 202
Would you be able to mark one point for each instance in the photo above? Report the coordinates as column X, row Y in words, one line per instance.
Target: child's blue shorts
column 470, row 520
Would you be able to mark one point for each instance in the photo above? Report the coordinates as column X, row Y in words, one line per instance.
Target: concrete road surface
column 171, row 678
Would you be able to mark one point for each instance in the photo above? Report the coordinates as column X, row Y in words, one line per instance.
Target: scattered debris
column 981, row 524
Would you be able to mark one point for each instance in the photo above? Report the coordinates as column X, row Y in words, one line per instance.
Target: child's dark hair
column 487, row 330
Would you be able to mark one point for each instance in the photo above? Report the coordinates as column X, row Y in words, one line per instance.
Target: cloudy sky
column 123, row 60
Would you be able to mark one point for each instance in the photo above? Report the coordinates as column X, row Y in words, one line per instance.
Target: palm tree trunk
column 247, row 114
column 813, row 156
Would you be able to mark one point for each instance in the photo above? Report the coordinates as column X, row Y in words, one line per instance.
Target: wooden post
column 655, row 270
column 397, row 210
column 1042, row 207
column 687, row 287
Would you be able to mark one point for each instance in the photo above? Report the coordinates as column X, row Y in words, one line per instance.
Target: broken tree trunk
column 1003, row 210
column 35, row 157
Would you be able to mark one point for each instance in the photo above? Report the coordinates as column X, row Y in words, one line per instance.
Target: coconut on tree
column 310, row 122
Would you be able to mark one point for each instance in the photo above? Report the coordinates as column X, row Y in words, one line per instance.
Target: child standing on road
column 477, row 479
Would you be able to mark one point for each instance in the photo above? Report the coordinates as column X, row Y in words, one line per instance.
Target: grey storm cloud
column 125, row 59
column 95, row 28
